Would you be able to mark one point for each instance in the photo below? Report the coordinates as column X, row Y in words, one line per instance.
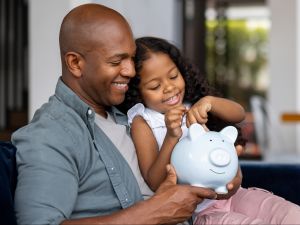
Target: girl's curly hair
column 196, row 84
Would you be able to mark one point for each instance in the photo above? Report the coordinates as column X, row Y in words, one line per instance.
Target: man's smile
column 120, row 86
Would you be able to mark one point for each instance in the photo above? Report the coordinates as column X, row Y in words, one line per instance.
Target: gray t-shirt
column 122, row 140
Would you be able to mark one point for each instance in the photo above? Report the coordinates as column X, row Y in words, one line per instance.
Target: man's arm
column 47, row 185
column 171, row 204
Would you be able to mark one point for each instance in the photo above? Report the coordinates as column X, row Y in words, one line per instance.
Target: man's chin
column 118, row 101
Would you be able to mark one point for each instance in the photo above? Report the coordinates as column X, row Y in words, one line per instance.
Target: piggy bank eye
column 210, row 139
column 222, row 140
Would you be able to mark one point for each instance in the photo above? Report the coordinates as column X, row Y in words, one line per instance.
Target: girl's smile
column 174, row 100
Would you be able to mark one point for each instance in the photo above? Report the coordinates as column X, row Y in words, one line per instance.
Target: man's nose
column 128, row 68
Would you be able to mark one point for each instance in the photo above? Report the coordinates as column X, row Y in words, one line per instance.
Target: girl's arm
column 152, row 161
column 222, row 108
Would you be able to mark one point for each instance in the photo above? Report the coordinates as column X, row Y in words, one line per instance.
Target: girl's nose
column 169, row 87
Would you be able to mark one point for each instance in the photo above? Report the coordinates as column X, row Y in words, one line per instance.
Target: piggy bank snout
column 219, row 157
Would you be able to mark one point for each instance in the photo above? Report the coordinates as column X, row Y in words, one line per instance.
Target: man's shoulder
column 53, row 120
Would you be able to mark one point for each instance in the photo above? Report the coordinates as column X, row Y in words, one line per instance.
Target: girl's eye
column 174, row 77
column 154, row 87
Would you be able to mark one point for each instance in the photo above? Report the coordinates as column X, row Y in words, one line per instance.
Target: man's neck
column 102, row 113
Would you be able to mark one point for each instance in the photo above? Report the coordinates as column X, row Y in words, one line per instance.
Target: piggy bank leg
column 221, row 190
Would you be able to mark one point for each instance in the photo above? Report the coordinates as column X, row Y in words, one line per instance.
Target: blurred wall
column 284, row 90
column 155, row 17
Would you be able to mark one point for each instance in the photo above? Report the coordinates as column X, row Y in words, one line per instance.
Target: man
column 70, row 158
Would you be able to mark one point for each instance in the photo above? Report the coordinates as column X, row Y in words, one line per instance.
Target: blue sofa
column 282, row 179
column 8, row 177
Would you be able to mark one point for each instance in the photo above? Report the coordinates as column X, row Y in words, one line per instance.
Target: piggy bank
column 206, row 158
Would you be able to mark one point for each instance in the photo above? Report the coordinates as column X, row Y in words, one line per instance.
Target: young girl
column 172, row 104
column 165, row 97
column 174, row 95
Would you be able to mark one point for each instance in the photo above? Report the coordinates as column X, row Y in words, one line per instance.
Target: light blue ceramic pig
column 206, row 158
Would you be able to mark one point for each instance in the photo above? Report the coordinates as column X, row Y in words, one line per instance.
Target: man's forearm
column 140, row 213
column 170, row 204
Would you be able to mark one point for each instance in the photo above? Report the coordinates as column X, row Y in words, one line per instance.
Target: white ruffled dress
column 155, row 120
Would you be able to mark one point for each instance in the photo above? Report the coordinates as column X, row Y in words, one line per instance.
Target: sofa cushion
column 281, row 179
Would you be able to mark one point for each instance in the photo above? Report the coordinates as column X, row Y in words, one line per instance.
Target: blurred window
column 237, row 50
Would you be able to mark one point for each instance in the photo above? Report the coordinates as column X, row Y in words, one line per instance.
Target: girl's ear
column 74, row 63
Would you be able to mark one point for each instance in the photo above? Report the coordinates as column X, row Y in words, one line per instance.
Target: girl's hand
column 173, row 120
column 198, row 112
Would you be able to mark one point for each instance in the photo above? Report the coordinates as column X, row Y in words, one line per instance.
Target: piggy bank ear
column 195, row 131
column 230, row 132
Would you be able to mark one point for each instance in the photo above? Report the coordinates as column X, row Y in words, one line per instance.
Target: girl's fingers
column 195, row 116
column 190, row 118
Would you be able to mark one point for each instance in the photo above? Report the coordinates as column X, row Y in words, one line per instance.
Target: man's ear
column 74, row 63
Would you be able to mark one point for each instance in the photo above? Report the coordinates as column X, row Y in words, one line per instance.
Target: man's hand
column 239, row 150
column 176, row 203
column 233, row 186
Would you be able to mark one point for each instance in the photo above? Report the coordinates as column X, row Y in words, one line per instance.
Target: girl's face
column 162, row 85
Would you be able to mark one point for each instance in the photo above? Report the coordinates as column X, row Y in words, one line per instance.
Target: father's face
column 109, row 65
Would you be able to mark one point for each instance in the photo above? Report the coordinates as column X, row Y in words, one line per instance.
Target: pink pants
column 250, row 206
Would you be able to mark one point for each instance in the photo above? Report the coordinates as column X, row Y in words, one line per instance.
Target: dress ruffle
column 136, row 110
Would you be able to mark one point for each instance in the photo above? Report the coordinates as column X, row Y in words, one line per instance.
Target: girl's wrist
column 209, row 101
column 172, row 138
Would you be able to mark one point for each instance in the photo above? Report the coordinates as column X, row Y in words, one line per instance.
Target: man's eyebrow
column 119, row 56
